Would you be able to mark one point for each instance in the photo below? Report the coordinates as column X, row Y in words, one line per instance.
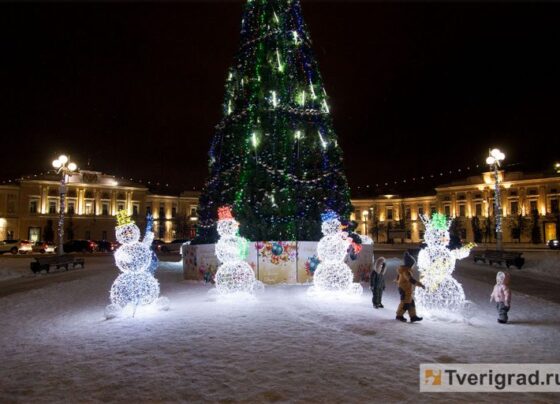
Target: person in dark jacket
column 377, row 282
column 406, row 284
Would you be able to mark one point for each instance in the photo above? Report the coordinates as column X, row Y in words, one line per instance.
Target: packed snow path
column 57, row 346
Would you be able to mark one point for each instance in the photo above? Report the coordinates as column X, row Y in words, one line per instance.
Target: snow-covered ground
column 56, row 345
column 14, row 267
column 544, row 262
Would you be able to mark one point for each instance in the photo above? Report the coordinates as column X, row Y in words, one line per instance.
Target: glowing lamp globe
column 72, row 166
column 56, row 164
column 63, row 159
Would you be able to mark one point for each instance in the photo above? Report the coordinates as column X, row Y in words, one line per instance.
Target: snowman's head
column 331, row 223
column 127, row 233
column 437, row 230
column 227, row 226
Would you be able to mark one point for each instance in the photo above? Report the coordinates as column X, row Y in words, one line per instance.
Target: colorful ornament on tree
column 436, row 263
column 135, row 286
column 234, row 275
column 332, row 276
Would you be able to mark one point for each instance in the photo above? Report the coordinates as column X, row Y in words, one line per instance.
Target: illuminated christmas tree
column 274, row 156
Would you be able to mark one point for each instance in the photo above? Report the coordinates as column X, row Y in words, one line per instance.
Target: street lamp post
column 65, row 168
column 493, row 160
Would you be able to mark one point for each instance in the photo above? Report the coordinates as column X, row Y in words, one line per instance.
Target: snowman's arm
column 461, row 253
column 148, row 238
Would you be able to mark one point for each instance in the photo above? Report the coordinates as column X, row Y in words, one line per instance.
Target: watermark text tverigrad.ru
column 488, row 377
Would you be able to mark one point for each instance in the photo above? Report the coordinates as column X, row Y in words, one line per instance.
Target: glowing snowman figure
column 234, row 275
column 436, row 263
column 136, row 285
column 333, row 276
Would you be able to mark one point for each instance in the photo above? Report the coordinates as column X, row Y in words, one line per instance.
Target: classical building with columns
column 30, row 205
column 525, row 198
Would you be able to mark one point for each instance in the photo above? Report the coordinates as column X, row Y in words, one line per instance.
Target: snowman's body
column 332, row 273
column 233, row 275
column 436, row 264
column 136, row 285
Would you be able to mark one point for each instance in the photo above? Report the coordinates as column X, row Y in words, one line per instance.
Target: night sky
column 416, row 88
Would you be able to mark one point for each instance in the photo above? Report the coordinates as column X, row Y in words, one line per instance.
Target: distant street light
column 493, row 160
column 557, row 168
column 65, row 168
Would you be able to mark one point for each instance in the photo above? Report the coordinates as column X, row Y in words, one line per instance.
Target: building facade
column 528, row 202
column 29, row 209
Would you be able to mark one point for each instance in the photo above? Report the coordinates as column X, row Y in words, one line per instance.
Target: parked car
column 106, row 246
column 554, row 244
column 156, row 244
column 44, row 247
column 15, row 246
column 174, row 246
column 80, row 246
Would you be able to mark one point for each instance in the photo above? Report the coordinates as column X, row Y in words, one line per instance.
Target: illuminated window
column 52, row 207
column 478, row 209
column 33, row 206
column 514, row 207
column 532, row 205
column 88, row 208
column 554, row 205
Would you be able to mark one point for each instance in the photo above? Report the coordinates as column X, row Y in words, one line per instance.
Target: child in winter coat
column 377, row 282
column 502, row 296
column 406, row 284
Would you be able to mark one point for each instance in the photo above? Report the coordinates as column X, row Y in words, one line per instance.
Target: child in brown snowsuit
column 406, row 284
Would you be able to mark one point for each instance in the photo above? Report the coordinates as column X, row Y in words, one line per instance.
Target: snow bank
column 545, row 262
column 14, row 268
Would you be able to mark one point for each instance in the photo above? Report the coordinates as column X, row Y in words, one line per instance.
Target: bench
column 510, row 258
column 64, row 261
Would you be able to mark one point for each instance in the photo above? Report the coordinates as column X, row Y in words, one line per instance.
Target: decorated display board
column 295, row 264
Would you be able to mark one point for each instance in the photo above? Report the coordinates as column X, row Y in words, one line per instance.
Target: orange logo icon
column 433, row 377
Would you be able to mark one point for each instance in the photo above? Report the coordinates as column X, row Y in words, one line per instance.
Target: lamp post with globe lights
column 493, row 160
column 65, row 167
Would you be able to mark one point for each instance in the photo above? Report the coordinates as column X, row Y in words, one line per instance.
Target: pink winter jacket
column 501, row 293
